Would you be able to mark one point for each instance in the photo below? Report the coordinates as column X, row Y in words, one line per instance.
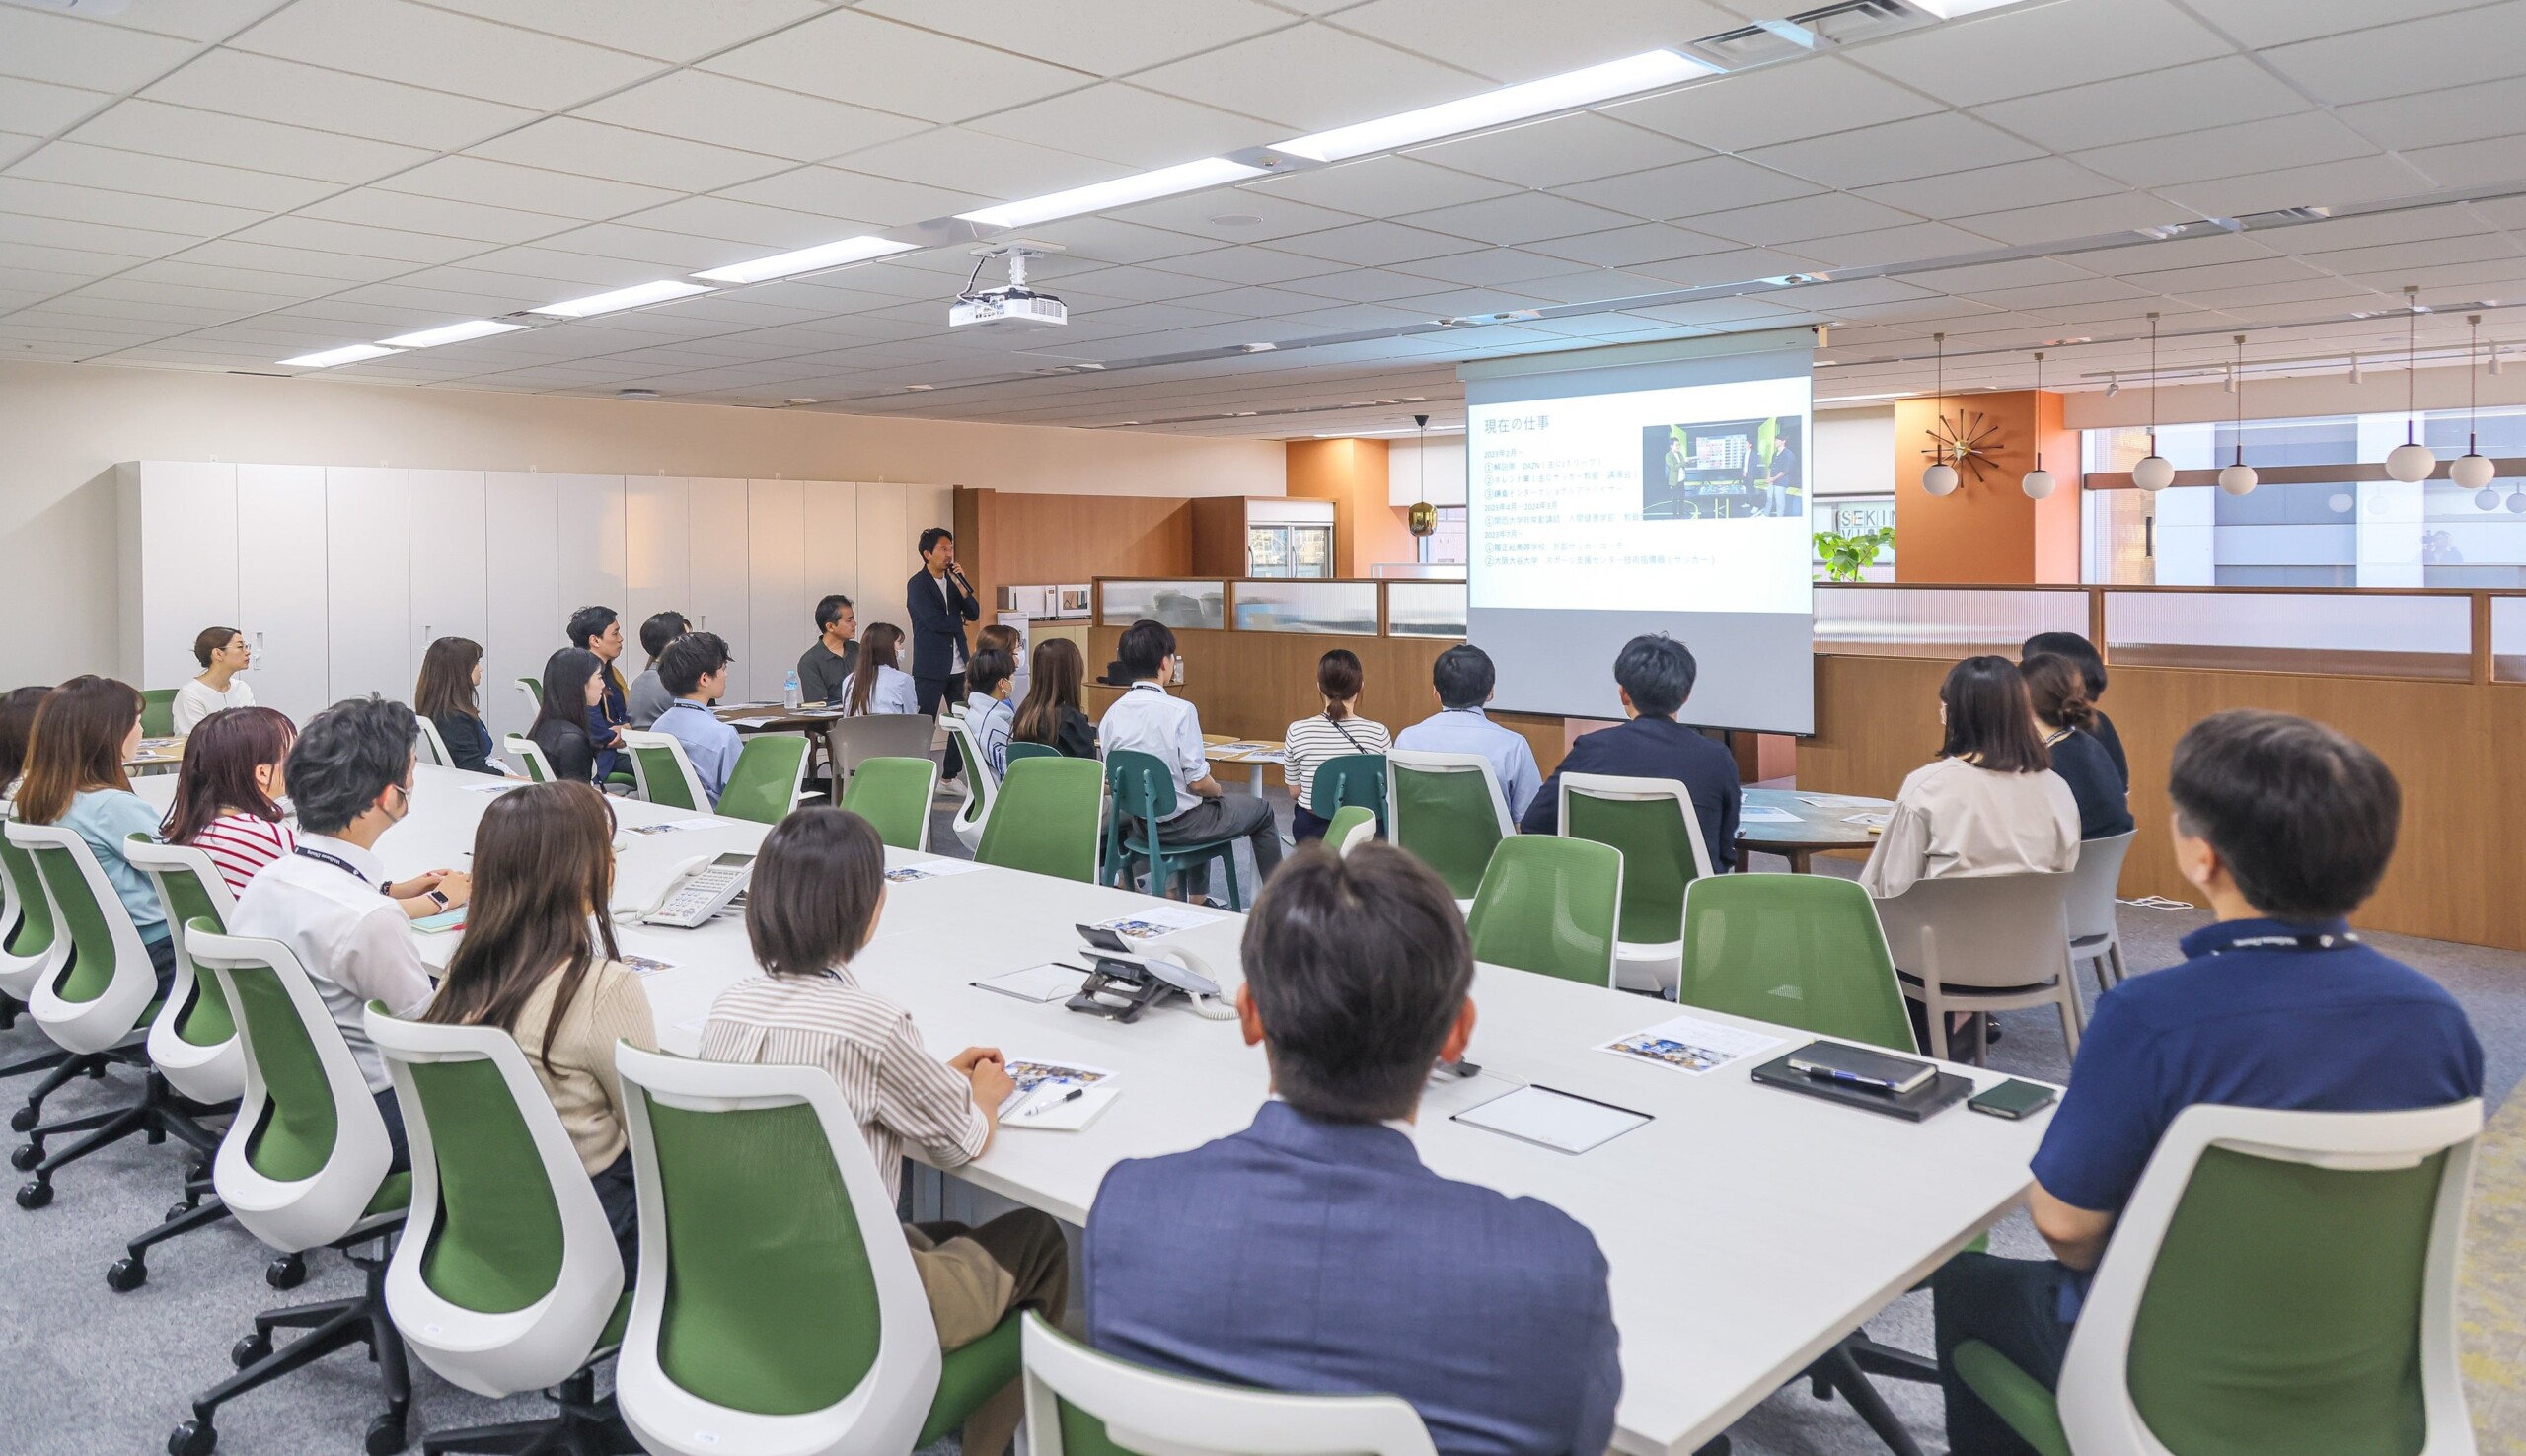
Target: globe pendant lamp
column 2154, row 472
column 2039, row 481
column 1940, row 478
column 2239, row 479
column 2473, row 470
column 2410, row 462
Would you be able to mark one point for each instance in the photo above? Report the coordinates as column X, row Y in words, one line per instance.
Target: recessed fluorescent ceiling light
column 330, row 357
column 807, row 260
column 1642, row 72
column 1122, row 191
column 430, row 338
column 620, row 298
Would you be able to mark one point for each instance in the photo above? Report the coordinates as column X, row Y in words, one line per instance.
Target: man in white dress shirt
column 1147, row 720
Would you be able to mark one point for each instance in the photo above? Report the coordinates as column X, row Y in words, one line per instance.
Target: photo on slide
column 1722, row 470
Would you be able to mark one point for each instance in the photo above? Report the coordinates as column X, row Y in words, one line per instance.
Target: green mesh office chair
column 1349, row 779
column 1352, row 826
column 158, row 712
column 530, row 756
column 894, row 795
column 1447, row 809
column 1045, row 822
column 2280, row 1282
column 662, row 773
column 1652, row 822
column 1144, row 795
column 1550, row 905
column 769, row 780
column 1017, row 750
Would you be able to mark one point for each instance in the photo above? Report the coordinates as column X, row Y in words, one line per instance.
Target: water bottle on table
column 790, row 690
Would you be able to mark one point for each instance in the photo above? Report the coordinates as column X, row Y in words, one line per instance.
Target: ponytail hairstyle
column 2059, row 690
column 1337, row 679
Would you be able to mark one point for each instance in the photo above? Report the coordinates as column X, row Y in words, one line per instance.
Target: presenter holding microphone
column 940, row 602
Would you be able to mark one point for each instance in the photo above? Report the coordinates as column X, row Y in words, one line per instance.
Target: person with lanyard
column 940, row 602
column 1147, row 720
column 329, row 900
column 1463, row 677
column 695, row 669
column 1339, row 730
column 2285, row 827
column 599, row 630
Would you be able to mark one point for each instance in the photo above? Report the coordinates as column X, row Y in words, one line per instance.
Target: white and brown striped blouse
column 897, row 1091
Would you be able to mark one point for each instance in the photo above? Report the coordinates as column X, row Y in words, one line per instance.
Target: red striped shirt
column 241, row 843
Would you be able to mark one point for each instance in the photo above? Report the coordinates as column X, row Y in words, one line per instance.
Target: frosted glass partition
column 1940, row 621
column 1425, row 608
column 1347, row 608
column 1179, row 603
column 2366, row 634
column 2508, row 639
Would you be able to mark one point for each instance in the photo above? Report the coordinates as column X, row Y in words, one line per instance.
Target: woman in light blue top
column 988, row 714
column 84, row 731
column 878, row 685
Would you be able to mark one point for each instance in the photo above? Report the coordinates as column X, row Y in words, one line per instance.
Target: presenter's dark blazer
column 936, row 633
column 1654, row 748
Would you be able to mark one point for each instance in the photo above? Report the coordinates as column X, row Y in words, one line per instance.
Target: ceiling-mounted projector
column 1015, row 306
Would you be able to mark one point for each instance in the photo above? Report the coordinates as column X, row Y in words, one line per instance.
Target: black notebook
column 1936, row 1095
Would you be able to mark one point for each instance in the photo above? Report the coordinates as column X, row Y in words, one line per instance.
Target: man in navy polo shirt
column 2286, row 826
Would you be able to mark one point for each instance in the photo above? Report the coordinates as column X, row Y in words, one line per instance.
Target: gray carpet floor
column 85, row 1371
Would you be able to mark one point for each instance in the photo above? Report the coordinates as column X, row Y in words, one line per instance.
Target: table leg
column 1258, row 780
column 1801, row 862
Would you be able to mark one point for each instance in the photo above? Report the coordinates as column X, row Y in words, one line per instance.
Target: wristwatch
column 438, row 899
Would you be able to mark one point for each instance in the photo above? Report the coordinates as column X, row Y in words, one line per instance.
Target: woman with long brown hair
column 16, row 727
column 878, row 685
column 1989, row 804
column 84, row 731
column 448, row 695
column 538, row 961
column 1055, row 711
column 228, row 792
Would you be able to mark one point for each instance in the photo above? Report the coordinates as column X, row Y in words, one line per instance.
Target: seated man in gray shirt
column 648, row 697
column 824, row 665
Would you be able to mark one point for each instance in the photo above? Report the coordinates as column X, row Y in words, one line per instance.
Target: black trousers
column 928, row 693
column 615, row 1194
column 393, row 1112
column 2012, row 1305
column 1306, row 824
column 162, row 960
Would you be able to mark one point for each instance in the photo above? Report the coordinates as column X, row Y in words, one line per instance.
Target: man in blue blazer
column 1312, row 1252
column 1655, row 675
column 940, row 602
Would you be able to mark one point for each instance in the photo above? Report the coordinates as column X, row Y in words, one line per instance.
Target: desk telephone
column 699, row 890
column 1123, row 982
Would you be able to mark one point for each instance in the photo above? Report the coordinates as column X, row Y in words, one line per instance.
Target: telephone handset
column 699, row 890
column 1126, row 981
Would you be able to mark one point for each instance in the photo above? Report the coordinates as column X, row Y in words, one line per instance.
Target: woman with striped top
column 228, row 792
column 1338, row 730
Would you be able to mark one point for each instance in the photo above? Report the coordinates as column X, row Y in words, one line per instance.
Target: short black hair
column 1359, row 965
column 345, row 757
column 1144, row 646
column 2079, row 650
column 930, row 537
column 659, row 630
column 811, row 901
column 690, row 658
column 830, row 607
column 589, row 621
column 1658, row 672
column 1464, row 675
column 2304, row 816
column 987, row 668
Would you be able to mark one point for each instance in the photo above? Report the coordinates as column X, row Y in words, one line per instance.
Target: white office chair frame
column 531, row 753
column 81, row 1027
column 534, row 699
column 982, row 786
column 433, row 746
column 2093, row 933
column 649, row 738
column 549, row 1341
column 1651, row 964
column 2096, row 1407
column 330, row 1203
column 1145, row 1411
column 885, row 1411
column 1412, row 761
column 203, row 1074
column 21, row 975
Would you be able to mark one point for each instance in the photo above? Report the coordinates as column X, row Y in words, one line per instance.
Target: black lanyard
column 1345, row 732
column 2312, row 940
column 335, row 860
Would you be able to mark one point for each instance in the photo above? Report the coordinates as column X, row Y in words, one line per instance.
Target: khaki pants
column 974, row 1277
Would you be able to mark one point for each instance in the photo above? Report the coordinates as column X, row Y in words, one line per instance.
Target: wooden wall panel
column 1218, row 535
column 1876, row 719
column 1255, row 685
column 1009, row 537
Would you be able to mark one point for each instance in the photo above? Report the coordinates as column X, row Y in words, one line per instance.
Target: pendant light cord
column 2411, row 362
column 2038, row 404
column 2153, row 384
column 2241, row 398
column 2473, row 380
column 1939, row 407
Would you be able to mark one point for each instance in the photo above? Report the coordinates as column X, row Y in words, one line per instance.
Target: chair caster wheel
column 250, row 1348
column 386, row 1435
column 288, row 1271
column 193, row 1439
column 24, row 1118
column 126, row 1274
column 25, row 1155
column 34, row 1195
column 177, row 1210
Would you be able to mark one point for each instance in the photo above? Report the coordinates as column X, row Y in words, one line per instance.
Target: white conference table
column 1746, row 1229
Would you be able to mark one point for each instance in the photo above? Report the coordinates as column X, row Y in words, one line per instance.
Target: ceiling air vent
column 1809, row 30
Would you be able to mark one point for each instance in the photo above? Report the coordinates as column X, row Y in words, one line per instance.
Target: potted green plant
column 1846, row 556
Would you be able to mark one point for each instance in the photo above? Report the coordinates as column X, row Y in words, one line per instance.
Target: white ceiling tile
column 840, row 194
column 1104, row 240
column 138, row 125
column 664, row 253
column 701, row 107
column 2318, row 239
column 1501, row 39
column 1391, row 184
column 2434, row 54
column 2442, row 117
column 1776, row 104
column 1374, row 244
column 1621, row 248
column 362, row 242
column 2191, row 98
column 1256, row 265
column 1104, row 37
column 1124, row 123
column 1896, row 151
column 1311, row 78
column 751, row 229
column 1690, row 189
column 2013, row 185
column 896, row 67
column 1521, row 217
column 2228, row 151
column 408, row 212
column 2042, row 298
column 1489, row 265
column 1985, row 58
column 169, row 176
column 14, row 145
column 83, row 235
column 1561, row 150
column 41, row 46
column 593, row 149
column 122, row 209
column 335, row 103
column 397, row 40
column 663, row 30
column 525, row 188
column 2087, row 217
column 1194, row 213
column 1827, row 215
column 2264, row 23
column 238, row 252
column 41, row 109
column 1740, row 265
column 996, row 167
column 2420, row 252
column 2329, row 183
column 2469, row 164
column 1151, row 285
column 1906, row 243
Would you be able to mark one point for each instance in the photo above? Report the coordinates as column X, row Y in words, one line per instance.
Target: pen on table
column 1072, row 1095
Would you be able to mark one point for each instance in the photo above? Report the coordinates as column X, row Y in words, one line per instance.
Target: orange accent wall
column 1351, row 474
column 1988, row 531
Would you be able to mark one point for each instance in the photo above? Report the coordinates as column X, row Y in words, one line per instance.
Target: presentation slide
column 1687, row 499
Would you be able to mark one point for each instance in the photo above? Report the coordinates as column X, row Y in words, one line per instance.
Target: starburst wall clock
column 1967, row 441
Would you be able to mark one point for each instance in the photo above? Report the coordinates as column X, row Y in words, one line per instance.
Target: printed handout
column 1688, row 1044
